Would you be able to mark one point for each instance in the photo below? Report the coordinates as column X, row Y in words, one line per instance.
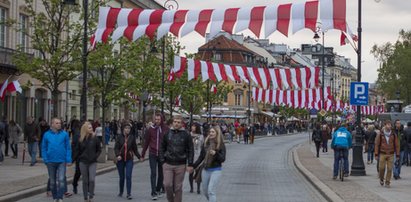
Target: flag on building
column 14, row 86
column 178, row 101
column 3, row 89
column 214, row 89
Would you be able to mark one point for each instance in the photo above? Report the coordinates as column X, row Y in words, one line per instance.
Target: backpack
column 317, row 136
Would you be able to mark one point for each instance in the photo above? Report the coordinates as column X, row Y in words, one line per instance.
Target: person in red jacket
column 153, row 137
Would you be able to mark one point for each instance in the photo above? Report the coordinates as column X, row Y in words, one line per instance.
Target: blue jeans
column 57, row 173
column 209, row 183
column 125, row 171
column 337, row 152
column 33, row 151
column 370, row 154
column 397, row 169
column 325, row 145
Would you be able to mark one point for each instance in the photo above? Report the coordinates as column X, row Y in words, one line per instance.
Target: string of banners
column 308, row 99
column 275, row 78
column 134, row 23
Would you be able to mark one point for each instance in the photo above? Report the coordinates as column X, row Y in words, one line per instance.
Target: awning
column 225, row 116
column 270, row 114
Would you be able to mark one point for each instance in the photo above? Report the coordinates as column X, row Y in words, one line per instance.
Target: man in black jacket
column 176, row 152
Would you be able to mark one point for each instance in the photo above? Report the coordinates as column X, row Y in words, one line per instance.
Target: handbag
column 115, row 161
column 197, row 172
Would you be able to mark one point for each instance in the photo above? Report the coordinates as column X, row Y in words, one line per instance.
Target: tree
column 395, row 70
column 106, row 69
column 58, row 42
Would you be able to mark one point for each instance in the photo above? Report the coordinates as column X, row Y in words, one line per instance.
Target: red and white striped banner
column 308, row 98
column 134, row 23
column 289, row 78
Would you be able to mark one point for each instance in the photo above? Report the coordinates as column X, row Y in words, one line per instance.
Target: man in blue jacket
column 56, row 150
column 341, row 142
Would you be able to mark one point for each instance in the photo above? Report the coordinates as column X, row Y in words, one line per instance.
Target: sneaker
column 160, row 194
column 381, row 182
column 198, row 191
column 387, row 186
column 368, row 162
column 154, row 197
column 68, row 194
column 334, row 177
column 346, row 175
column 120, row 194
column 60, row 200
column 129, row 197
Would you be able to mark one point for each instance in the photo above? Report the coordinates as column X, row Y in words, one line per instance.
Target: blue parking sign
column 359, row 93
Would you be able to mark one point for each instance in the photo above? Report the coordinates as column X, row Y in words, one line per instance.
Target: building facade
column 36, row 99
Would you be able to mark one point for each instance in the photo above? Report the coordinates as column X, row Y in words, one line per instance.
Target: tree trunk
column 54, row 101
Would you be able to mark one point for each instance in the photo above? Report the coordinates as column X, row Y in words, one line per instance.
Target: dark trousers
column 6, row 146
column 125, row 171
column 245, row 139
column 155, row 166
column 317, row 148
column 191, row 181
column 40, row 148
column 77, row 175
column 14, row 149
column 325, row 145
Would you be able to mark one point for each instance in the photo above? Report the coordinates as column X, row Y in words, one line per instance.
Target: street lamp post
column 84, row 61
column 316, row 38
column 358, row 167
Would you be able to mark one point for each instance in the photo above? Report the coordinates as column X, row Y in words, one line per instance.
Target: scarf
column 387, row 135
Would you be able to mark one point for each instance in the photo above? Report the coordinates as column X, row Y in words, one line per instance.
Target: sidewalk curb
column 324, row 190
column 43, row 188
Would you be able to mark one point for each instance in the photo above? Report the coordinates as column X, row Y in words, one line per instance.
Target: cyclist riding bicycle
column 341, row 143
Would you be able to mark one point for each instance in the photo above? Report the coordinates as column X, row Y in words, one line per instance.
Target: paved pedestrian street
column 262, row 172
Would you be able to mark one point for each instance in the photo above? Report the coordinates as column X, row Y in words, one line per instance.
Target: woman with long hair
column 88, row 149
column 211, row 158
column 198, row 141
column 125, row 149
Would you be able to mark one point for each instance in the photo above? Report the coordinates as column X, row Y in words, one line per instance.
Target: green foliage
column 395, row 69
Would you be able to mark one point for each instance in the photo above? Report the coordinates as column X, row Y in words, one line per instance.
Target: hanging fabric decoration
column 280, row 78
column 134, row 23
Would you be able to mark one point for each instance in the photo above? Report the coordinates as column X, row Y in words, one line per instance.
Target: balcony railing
column 6, row 60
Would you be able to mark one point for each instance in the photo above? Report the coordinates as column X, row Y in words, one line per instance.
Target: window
column 238, row 99
column 73, row 95
column 218, row 57
column 23, row 20
column 2, row 27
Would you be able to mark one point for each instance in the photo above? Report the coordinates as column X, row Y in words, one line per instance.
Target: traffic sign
column 359, row 93
column 323, row 112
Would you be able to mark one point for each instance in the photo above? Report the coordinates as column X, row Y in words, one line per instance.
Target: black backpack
column 317, row 136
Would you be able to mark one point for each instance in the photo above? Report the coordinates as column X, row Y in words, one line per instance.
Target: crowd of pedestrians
column 387, row 145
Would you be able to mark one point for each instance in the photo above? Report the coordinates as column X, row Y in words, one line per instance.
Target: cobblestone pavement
column 262, row 172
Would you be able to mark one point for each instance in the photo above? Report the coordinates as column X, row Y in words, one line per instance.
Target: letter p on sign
column 359, row 90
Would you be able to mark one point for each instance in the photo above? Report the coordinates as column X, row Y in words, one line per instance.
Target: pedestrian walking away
column 198, row 141
column 341, row 143
column 325, row 134
column 32, row 137
column 56, row 150
column 370, row 135
column 317, row 139
column 212, row 156
column 15, row 133
column 386, row 146
column 399, row 132
column 125, row 148
column 75, row 130
column 153, row 138
column 176, row 152
column 88, row 149
column 2, row 138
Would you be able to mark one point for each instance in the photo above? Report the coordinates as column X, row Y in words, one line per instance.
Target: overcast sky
column 381, row 23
